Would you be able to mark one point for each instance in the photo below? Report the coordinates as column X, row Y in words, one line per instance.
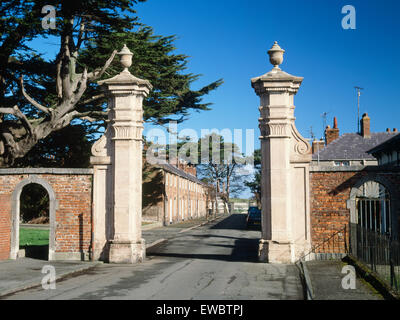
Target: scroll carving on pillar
column 99, row 147
column 301, row 147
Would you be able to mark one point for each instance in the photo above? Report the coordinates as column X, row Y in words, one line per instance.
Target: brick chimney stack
column 317, row 146
column 366, row 126
column 332, row 134
column 191, row 169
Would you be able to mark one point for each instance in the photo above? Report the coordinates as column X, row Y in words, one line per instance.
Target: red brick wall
column 73, row 213
column 5, row 226
column 329, row 192
column 73, row 216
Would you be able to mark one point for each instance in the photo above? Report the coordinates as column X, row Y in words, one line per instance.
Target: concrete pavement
column 25, row 273
column 325, row 282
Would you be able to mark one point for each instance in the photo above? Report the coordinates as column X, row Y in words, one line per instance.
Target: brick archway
column 16, row 215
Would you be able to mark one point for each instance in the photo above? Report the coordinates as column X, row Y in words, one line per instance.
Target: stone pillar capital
column 126, row 83
column 276, row 82
column 126, row 92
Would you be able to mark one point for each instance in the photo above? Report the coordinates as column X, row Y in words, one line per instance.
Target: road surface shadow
column 245, row 250
column 232, row 222
column 235, row 222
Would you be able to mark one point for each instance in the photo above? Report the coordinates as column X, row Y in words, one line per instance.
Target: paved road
column 216, row 261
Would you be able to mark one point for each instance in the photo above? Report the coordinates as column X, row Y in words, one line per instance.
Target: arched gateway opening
column 33, row 200
column 34, row 222
column 372, row 207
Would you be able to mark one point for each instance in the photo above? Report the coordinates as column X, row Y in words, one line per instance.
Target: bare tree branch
column 82, row 87
column 9, row 139
column 94, row 98
column 58, row 79
column 17, row 112
column 65, row 72
column 97, row 74
column 31, row 101
column 80, row 35
column 88, row 114
column 7, row 110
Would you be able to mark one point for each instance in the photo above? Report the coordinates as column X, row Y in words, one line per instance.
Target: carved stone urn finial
column 126, row 58
column 276, row 55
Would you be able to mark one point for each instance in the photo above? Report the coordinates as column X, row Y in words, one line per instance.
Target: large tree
column 39, row 96
column 222, row 164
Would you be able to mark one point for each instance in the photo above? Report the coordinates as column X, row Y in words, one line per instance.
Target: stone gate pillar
column 285, row 157
column 121, row 180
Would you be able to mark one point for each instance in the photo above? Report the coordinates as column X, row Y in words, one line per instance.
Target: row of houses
column 172, row 193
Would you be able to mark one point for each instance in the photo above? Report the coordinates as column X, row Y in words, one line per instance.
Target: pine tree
column 40, row 97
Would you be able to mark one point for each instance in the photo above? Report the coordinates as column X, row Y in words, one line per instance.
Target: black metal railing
column 379, row 252
column 334, row 246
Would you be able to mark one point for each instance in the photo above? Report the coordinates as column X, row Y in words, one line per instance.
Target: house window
column 342, row 163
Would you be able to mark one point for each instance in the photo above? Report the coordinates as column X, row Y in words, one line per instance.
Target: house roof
column 172, row 169
column 390, row 144
column 352, row 146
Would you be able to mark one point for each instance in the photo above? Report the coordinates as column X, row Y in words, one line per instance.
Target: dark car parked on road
column 253, row 217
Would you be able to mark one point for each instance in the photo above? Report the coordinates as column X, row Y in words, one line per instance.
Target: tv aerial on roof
column 324, row 121
column 358, row 106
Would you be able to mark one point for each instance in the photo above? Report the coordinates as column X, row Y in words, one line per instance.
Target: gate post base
column 263, row 251
column 126, row 252
column 275, row 252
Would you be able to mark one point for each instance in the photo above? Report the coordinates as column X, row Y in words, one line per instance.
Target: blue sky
column 230, row 40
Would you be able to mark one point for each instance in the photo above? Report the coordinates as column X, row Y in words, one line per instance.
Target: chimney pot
column 388, row 130
column 395, row 130
column 335, row 123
